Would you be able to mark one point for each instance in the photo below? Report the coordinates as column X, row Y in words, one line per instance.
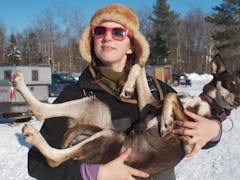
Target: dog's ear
column 217, row 65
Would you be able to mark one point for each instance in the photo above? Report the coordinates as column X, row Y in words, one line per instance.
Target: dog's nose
column 237, row 101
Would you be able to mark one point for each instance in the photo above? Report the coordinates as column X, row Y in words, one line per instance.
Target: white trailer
column 12, row 104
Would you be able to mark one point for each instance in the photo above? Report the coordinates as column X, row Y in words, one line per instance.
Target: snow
column 218, row 163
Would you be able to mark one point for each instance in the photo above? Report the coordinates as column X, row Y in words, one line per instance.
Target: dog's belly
column 195, row 104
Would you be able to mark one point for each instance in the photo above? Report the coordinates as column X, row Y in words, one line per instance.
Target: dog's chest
column 195, row 104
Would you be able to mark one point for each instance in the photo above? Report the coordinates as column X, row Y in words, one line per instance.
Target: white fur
column 152, row 123
column 191, row 101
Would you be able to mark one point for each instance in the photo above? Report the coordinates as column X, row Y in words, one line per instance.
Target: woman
column 111, row 45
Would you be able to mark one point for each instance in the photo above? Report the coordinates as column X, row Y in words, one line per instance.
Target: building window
column 34, row 75
column 8, row 75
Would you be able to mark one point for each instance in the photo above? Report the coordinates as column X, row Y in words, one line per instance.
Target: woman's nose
column 108, row 35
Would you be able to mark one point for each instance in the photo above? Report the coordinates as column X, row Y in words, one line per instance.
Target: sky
column 16, row 15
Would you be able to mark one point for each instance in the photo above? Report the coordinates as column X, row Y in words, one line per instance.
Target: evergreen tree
column 164, row 36
column 14, row 56
column 227, row 20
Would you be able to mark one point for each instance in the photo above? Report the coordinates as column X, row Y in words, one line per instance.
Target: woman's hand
column 117, row 170
column 199, row 132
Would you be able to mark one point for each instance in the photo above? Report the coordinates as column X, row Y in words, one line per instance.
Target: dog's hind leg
column 173, row 110
column 79, row 151
column 39, row 109
column 78, row 133
column 75, row 109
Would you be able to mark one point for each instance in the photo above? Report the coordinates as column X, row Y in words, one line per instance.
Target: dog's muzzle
column 236, row 102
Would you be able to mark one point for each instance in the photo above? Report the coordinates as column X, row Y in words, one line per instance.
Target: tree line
column 186, row 42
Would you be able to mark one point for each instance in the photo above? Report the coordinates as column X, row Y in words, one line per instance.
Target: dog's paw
column 17, row 80
column 166, row 126
column 126, row 93
column 188, row 148
column 30, row 134
column 127, row 90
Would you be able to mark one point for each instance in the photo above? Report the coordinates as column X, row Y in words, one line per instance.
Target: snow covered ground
column 219, row 163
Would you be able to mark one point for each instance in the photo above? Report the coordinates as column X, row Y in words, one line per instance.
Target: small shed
column 12, row 104
column 161, row 72
column 33, row 75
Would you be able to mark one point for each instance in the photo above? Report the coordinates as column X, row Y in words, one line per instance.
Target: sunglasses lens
column 119, row 33
column 99, row 31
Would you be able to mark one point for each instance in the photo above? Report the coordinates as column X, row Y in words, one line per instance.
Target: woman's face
column 110, row 52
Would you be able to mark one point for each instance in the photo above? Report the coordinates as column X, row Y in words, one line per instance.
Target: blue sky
column 18, row 14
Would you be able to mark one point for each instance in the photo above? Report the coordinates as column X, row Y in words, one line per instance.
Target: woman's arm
column 39, row 169
column 118, row 170
column 203, row 132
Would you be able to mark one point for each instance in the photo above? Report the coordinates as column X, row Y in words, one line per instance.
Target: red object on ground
column 12, row 95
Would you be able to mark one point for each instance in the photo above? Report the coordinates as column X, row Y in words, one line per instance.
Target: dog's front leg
column 137, row 78
column 173, row 110
column 129, row 87
column 144, row 93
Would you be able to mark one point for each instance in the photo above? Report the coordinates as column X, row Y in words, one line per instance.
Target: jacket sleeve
column 53, row 130
column 39, row 169
column 89, row 171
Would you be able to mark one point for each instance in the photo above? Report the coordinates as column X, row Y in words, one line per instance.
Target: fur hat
column 124, row 16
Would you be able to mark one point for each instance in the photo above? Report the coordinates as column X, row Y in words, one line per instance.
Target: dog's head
column 225, row 86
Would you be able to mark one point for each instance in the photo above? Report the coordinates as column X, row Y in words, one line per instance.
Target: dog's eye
column 233, row 83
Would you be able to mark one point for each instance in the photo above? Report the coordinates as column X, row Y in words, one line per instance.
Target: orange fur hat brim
column 124, row 16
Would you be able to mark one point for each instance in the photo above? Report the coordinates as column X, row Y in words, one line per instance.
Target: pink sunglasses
column 118, row 33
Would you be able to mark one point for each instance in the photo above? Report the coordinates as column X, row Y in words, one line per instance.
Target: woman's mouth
column 105, row 47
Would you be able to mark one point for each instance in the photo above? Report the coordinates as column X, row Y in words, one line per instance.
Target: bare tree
column 194, row 42
column 2, row 42
column 73, row 23
column 49, row 36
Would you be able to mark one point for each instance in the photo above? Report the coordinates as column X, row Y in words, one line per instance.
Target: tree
column 14, row 56
column 2, row 42
column 194, row 38
column 164, row 36
column 49, row 36
column 31, row 50
column 72, row 19
column 79, row 63
column 145, row 23
column 55, row 31
column 227, row 35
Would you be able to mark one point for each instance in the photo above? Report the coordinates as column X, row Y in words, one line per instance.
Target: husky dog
column 92, row 138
